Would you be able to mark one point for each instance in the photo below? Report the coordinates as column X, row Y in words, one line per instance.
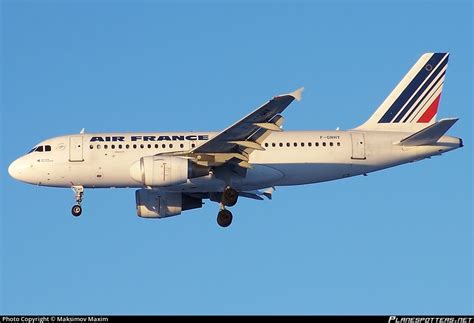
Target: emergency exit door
column 358, row 145
column 75, row 149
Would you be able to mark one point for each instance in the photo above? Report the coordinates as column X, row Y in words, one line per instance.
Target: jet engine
column 158, row 171
column 155, row 204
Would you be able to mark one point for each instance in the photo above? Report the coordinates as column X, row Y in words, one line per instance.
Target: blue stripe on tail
column 411, row 88
column 422, row 89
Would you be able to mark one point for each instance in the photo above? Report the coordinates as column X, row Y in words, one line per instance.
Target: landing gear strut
column 229, row 198
column 79, row 193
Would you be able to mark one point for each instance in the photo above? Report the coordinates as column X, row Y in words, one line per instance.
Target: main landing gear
column 229, row 198
column 79, row 193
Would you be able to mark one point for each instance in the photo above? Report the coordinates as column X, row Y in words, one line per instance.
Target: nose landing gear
column 76, row 210
column 79, row 193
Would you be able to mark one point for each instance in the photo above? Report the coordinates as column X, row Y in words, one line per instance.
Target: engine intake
column 158, row 171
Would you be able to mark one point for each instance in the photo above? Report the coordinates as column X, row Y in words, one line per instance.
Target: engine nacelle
column 158, row 171
column 155, row 204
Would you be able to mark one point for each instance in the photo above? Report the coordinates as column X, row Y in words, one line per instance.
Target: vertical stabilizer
column 413, row 104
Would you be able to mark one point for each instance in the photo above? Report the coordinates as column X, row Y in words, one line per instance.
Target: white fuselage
column 290, row 158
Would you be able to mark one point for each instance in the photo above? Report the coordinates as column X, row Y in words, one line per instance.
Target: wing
column 235, row 143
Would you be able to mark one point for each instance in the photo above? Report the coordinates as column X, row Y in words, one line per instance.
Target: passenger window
column 309, row 144
column 40, row 149
column 98, row 146
column 181, row 145
column 156, row 146
column 281, row 144
column 316, row 144
column 47, row 148
column 266, row 144
column 134, row 146
column 127, row 146
column 141, row 146
column 193, row 145
column 120, row 146
column 91, row 147
column 287, row 144
column 295, row 144
column 338, row 144
column 324, row 144
column 302, row 144
column 171, row 145
column 106, row 146
column 331, row 144
column 113, row 146
column 149, row 146
column 273, row 144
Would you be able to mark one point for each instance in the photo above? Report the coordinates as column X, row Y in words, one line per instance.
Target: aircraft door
column 358, row 145
column 75, row 149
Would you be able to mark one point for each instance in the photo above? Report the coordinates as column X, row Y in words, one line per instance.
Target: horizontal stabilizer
column 430, row 134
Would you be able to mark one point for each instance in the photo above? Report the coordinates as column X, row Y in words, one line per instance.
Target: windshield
column 40, row 149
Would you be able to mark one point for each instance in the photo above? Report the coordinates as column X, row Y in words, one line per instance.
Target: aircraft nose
column 19, row 169
column 13, row 169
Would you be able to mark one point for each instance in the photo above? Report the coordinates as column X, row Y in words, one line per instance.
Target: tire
column 224, row 218
column 76, row 210
column 230, row 196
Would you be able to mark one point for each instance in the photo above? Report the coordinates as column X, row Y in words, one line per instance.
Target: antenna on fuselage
column 82, row 131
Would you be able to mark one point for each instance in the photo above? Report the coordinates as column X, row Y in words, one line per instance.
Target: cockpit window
column 40, row 149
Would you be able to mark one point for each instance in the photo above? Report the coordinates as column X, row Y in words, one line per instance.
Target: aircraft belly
column 260, row 176
column 306, row 173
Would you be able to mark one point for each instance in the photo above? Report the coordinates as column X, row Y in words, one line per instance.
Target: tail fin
column 413, row 104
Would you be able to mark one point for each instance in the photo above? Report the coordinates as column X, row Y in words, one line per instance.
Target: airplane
column 175, row 172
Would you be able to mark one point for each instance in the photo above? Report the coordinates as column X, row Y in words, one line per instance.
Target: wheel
column 229, row 197
column 76, row 210
column 224, row 218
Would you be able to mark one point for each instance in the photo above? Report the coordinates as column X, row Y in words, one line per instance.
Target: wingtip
column 454, row 120
column 298, row 94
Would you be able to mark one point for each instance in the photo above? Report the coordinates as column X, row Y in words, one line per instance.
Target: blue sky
column 397, row 241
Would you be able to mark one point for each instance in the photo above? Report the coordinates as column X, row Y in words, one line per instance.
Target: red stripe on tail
column 430, row 112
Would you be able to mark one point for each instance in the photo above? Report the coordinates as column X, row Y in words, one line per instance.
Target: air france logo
column 151, row 138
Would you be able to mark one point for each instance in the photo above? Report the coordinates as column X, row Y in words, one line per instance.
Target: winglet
column 297, row 94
